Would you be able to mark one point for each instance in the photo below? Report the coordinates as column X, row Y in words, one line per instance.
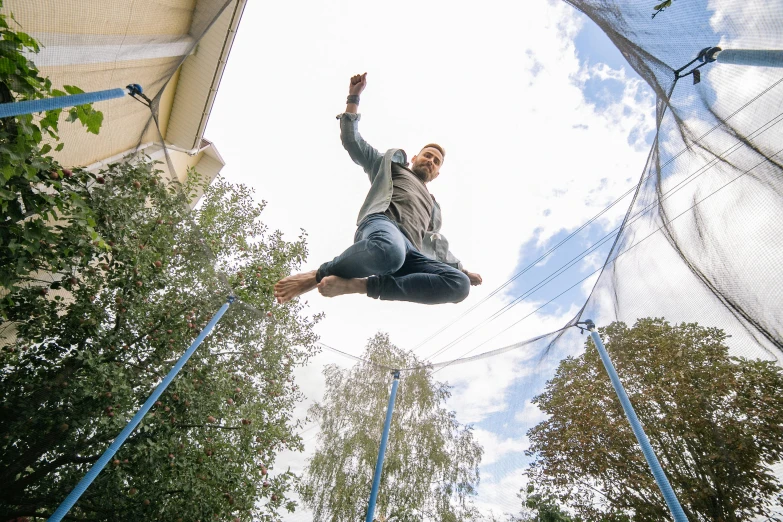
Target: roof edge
column 236, row 17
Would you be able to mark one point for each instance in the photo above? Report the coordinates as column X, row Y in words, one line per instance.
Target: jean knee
column 387, row 257
column 461, row 287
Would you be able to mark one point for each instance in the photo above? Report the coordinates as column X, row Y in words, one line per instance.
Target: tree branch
column 218, row 426
column 18, row 486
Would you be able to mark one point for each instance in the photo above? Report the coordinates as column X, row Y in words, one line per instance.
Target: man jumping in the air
column 398, row 254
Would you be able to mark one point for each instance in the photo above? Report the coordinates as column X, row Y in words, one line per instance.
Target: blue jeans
column 394, row 268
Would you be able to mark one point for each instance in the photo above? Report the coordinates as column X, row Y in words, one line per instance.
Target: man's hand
column 475, row 279
column 358, row 83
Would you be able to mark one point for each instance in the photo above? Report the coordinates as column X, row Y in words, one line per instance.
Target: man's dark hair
column 435, row 146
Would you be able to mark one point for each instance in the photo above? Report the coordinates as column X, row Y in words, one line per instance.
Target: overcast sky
column 543, row 123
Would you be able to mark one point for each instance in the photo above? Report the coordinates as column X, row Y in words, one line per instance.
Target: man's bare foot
column 294, row 286
column 332, row 286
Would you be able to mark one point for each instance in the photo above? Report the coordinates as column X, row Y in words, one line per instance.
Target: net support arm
column 660, row 477
column 376, row 481
column 104, row 459
column 57, row 102
column 752, row 57
column 746, row 57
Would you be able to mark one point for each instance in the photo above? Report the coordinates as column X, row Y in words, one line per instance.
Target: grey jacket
column 378, row 168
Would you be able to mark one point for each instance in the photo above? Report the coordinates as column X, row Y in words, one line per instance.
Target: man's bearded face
column 426, row 165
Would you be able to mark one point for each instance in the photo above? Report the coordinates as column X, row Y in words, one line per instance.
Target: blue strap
column 57, row 102
column 96, row 468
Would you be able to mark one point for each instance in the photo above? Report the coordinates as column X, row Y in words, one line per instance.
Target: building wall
column 140, row 17
column 200, row 75
column 99, row 45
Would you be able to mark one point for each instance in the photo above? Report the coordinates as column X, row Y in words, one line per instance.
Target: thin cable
column 485, row 355
column 516, row 323
column 359, row 359
column 524, row 295
column 528, row 267
column 591, row 220
column 635, row 217
column 615, row 257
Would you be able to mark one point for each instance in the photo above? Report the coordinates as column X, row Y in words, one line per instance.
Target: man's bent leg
column 379, row 250
column 421, row 280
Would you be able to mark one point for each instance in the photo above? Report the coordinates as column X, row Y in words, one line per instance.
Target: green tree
column 714, row 421
column 35, row 190
column 431, row 466
column 540, row 507
column 82, row 349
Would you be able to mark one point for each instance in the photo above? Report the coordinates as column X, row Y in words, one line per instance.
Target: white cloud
column 592, row 261
column 588, row 284
column 530, row 414
column 495, row 448
column 729, row 17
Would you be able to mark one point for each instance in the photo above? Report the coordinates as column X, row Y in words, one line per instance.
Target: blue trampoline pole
column 96, row 468
column 636, row 426
column 57, row 102
column 376, row 481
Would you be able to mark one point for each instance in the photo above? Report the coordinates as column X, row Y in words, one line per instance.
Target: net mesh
column 716, row 153
column 701, row 240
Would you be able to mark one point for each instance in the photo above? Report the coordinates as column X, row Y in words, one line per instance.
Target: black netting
column 712, row 184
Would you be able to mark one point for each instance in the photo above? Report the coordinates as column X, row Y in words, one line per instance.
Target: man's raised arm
column 361, row 152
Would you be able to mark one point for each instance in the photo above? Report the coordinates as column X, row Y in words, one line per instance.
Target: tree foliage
column 714, row 421
column 541, row 507
column 431, row 466
column 34, row 188
column 105, row 279
column 83, row 351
